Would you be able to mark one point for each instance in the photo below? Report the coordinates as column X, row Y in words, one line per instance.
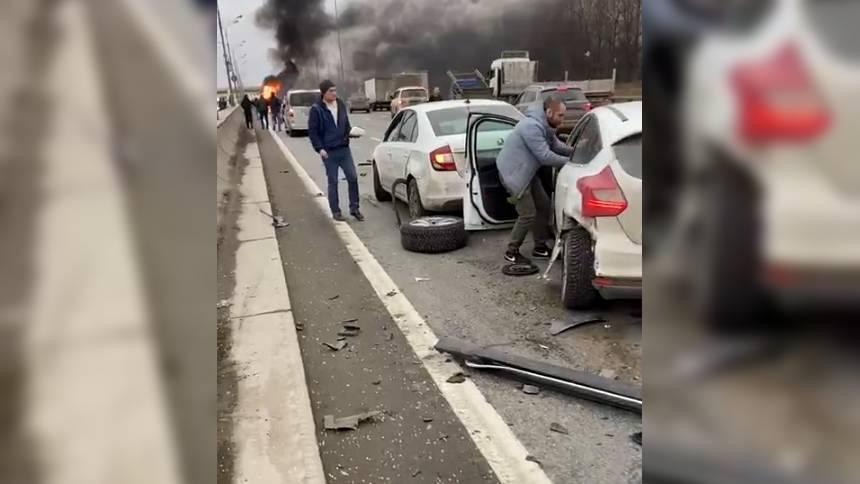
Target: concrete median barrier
column 229, row 127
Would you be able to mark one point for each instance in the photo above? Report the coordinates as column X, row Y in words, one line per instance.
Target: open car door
column 485, row 202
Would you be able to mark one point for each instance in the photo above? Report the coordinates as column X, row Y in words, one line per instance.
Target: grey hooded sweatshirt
column 532, row 143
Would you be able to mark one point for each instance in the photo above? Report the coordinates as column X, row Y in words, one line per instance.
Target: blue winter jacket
column 531, row 144
column 323, row 132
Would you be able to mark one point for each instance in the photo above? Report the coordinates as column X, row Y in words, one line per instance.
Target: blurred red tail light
column 778, row 100
column 442, row 159
column 601, row 195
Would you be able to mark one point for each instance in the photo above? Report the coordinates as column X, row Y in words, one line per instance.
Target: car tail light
column 588, row 106
column 601, row 195
column 778, row 100
column 442, row 159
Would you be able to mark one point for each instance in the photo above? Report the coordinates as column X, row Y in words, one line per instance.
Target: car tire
column 433, row 235
column 726, row 259
column 577, row 291
column 378, row 191
column 413, row 195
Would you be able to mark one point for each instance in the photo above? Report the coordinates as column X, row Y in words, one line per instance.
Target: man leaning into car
column 532, row 144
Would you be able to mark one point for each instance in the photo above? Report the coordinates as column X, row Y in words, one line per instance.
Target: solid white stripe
column 503, row 451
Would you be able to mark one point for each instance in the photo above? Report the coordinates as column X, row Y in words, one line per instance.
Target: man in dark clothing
column 275, row 104
column 328, row 130
column 247, row 108
column 436, row 96
column 263, row 111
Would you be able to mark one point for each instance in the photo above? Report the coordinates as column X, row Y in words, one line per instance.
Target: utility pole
column 339, row 48
column 227, row 63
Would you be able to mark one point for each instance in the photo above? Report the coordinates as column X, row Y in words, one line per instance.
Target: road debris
column 284, row 171
column 299, row 326
column 277, row 221
column 391, row 293
column 422, row 279
column 365, row 163
column 607, row 373
column 531, row 390
column 362, row 174
column 557, row 427
column 427, row 419
column 348, row 423
column 319, row 194
column 558, row 326
column 350, row 320
column 224, row 303
column 416, row 472
column 458, row 377
column 346, row 332
column 390, row 336
column 351, row 326
column 520, row 269
column 376, row 382
column 336, row 346
column 534, row 459
column 636, row 438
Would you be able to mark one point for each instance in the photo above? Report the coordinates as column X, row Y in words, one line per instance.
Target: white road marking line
column 274, row 408
column 95, row 403
column 503, row 451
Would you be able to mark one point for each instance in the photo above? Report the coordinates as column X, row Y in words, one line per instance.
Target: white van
column 298, row 106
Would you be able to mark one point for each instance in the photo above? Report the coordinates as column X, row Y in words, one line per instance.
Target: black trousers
column 264, row 119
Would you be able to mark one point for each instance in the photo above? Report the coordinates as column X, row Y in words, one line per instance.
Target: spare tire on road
column 433, row 234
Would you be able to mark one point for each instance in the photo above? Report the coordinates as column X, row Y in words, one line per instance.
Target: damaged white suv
column 598, row 208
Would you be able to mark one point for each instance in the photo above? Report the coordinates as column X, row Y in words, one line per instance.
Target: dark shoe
column 541, row 252
column 358, row 216
column 515, row 257
column 338, row 217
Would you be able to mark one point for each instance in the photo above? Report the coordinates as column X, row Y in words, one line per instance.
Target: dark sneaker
column 338, row 217
column 358, row 216
column 541, row 252
column 515, row 257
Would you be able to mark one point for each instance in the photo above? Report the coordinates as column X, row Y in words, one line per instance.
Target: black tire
column 433, row 235
column 378, row 191
column 416, row 207
column 577, row 291
column 727, row 292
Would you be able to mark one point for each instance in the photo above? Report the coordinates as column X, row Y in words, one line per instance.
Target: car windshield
column 452, row 121
column 629, row 154
column 414, row 93
column 304, row 98
column 565, row 94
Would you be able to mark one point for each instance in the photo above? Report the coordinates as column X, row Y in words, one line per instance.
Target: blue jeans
column 341, row 158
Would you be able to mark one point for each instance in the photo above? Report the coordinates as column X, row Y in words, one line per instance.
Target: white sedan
column 598, row 207
column 423, row 145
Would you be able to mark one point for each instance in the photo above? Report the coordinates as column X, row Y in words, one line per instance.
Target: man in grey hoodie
column 532, row 144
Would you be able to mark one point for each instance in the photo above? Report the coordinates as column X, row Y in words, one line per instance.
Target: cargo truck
column 511, row 73
column 378, row 90
column 411, row 79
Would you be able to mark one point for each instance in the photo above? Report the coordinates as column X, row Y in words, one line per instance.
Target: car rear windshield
column 452, row 121
column 565, row 94
column 304, row 98
column 629, row 154
column 414, row 93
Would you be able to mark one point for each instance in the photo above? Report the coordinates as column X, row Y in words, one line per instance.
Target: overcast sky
column 257, row 64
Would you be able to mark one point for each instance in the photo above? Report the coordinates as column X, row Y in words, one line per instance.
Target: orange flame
column 270, row 89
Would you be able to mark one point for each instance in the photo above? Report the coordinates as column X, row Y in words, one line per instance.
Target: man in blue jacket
column 328, row 129
column 532, row 144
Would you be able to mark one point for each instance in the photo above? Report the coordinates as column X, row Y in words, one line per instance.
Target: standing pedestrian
column 276, row 104
column 263, row 111
column 328, row 130
column 436, row 96
column 532, row 144
column 247, row 108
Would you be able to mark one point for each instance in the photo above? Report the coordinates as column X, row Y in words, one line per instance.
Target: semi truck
column 378, row 91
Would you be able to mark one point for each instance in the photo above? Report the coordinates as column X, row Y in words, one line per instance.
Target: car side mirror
column 356, row 132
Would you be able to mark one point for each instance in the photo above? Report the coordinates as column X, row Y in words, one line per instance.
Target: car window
column 565, row 94
column 405, row 133
column 452, row 121
column 587, row 143
column 304, row 98
column 394, row 127
column 629, row 154
column 528, row 97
